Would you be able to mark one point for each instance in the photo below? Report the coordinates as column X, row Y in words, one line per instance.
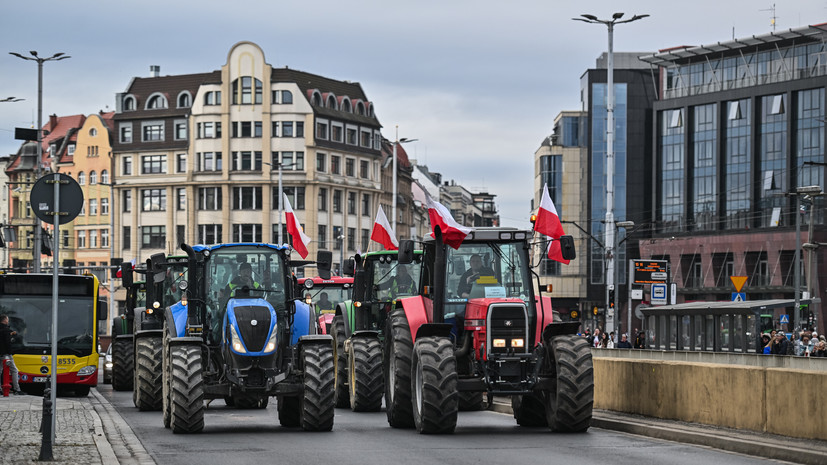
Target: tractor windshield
column 246, row 272
column 389, row 280
column 487, row 270
column 326, row 298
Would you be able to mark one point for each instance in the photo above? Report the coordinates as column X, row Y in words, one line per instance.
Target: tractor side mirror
column 359, row 286
column 349, row 266
column 324, row 259
column 567, row 247
column 103, row 306
column 126, row 274
column 157, row 268
column 406, row 252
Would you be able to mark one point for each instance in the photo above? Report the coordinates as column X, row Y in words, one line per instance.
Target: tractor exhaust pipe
column 439, row 277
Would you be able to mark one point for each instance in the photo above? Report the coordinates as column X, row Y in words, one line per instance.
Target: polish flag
column 548, row 222
column 453, row 233
column 383, row 233
column 300, row 239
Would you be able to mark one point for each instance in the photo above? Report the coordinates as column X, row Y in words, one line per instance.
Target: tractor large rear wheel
column 397, row 369
column 569, row 403
column 337, row 328
column 471, row 401
column 366, row 384
column 148, row 374
column 123, row 364
column 289, row 411
column 435, row 398
column 165, row 378
column 187, row 389
column 529, row 410
column 317, row 402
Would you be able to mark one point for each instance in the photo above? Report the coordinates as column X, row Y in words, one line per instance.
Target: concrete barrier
column 754, row 397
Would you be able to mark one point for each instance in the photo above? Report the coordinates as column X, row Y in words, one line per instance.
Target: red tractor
column 323, row 295
column 481, row 326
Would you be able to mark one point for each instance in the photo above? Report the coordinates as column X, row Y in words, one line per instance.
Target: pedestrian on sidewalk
column 767, row 342
column 6, row 354
column 780, row 344
column 624, row 343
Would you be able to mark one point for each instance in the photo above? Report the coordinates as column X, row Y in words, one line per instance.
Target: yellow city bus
column 27, row 300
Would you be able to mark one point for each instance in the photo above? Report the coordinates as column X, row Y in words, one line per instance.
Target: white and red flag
column 548, row 223
column 294, row 228
column 453, row 233
column 383, row 233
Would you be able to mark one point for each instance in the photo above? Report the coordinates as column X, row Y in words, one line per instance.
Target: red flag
column 556, row 253
column 300, row 239
column 548, row 222
column 453, row 233
column 383, row 233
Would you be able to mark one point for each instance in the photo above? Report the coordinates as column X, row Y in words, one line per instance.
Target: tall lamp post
column 811, row 191
column 396, row 143
column 625, row 225
column 40, row 61
column 609, row 239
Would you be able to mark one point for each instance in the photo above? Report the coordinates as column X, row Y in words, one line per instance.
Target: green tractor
column 358, row 326
column 123, row 340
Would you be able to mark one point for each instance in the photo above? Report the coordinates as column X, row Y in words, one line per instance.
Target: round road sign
column 42, row 198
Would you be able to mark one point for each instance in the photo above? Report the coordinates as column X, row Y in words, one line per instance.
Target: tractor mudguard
column 346, row 308
column 366, row 333
column 559, row 328
column 434, row 329
column 418, row 311
column 149, row 333
column 544, row 316
column 302, row 320
column 325, row 339
column 177, row 315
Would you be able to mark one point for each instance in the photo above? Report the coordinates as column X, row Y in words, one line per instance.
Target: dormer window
column 346, row 105
column 360, row 108
column 156, row 102
column 184, row 100
column 129, row 103
column 317, row 99
column 331, row 101
column 93, row 132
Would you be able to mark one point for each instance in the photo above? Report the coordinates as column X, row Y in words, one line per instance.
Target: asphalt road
column 255, row 436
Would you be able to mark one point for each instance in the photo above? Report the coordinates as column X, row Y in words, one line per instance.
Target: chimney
column 154, row 70
column 52, row 122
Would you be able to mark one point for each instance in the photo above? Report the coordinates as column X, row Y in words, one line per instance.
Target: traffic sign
column 42, row 198
column 738, row 282
column 785, row 318
column 658, row 294
column 739, row 297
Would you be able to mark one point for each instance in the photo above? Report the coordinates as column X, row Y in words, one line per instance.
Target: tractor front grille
column 254, row 336
column 508, row 322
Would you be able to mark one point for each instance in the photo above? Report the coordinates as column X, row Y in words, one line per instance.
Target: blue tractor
column 239, row 334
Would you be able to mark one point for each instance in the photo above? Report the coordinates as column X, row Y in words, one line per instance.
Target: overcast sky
column 477, row 82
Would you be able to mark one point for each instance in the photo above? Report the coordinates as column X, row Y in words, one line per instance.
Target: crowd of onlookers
column 803, row 344
column 607, row 340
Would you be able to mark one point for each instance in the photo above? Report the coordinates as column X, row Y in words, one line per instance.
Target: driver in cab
column 471, row 275
column 242, row 283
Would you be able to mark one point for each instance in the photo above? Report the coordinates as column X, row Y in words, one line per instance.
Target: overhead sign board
column 651, row 271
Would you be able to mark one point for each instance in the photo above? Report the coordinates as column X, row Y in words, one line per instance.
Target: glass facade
column 673, row 170
column 772, row 159
column 551, row 173
column 705, row 179
column 572, row 130
column 738, row 185
column 598, row 171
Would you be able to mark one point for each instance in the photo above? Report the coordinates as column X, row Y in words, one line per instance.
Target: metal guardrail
column 722, row 358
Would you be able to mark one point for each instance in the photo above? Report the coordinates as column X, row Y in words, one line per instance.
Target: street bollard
column 46, row 427
column 6, row 385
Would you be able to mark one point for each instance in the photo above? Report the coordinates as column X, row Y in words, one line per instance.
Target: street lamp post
column 799, row 191
column 40, row 61
column 610, row 161
column 625, row 225
column 396, row 143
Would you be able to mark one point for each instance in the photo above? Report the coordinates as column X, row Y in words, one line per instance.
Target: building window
column 127, row 201
column 351, row 203
column 246, row 161
column 295, row 195
column 274, row 129
column 335, row 164
column 247, row 90
column 351, row 136
column 180, row 130
column 104, row 238
column 184, row 100
column 209, row 161
column 212, row 98
column 247, row 198
column 153, row 164
column 289, row 160
column 93, row 239
column 181, row 163
column 365, row 239
column 209, row 234
column 366, row 139
column 182, row 198
column 321, row 130
column 156, row 102
column 364, row 169
column 129, row 103
column 153, row 237
column 337, row 201
column 127, row 237
column 104, row 206
column 104, row 177
column 287, row 129
column 321, row 160
column 209, row 130
column 705, row 195
column 299, row 129
column 350, row 167
column 337, row 238
column 81, row 242
column 154, row 200
column 153, row 131
column 366, row 205
column 336, row 132
column 351, row 238
column 246, row 233
column 286, row 97
column 93, row 207
column 209, row 198
column 322, row 199
column 127, row 166
column 93, row 178
column 126, row 133
column 64, row 238
column 82, row 178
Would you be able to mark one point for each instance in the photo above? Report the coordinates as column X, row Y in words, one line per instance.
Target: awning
column 748, row 307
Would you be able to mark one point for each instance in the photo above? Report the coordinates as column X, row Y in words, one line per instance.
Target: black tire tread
column 569, row 407
column 317, row 401
column 434, row 356
column 337, row 328
column 368, row 381
column 399, row 345
column 148, row 373
column 187, row 390
column 123, row 364
column 529, row 410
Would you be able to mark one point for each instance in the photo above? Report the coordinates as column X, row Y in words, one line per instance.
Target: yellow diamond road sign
column 738, row 281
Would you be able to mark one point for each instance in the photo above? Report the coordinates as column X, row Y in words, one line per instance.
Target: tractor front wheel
column 165, row 378
column 123, row 364
column 569, row 402
column 317, row 402
column 366, row 383
column 289, row 411
column 337, row 328
column 435, row 397
column 528, row 410
column 187, row 389
column 148, row 374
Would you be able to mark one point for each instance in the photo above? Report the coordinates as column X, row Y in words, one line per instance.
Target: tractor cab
column 380, row 281
column 323, row 295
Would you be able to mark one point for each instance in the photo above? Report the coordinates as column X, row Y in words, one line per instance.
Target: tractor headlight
column 271, row 343
column 87, row 370
column 236, row 341
column 518, row 343
column 499, row 343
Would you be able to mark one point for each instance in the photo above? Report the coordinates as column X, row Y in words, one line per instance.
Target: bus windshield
column 31, row 317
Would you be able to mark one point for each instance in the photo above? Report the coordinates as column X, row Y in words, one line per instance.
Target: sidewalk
column 85, row 428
